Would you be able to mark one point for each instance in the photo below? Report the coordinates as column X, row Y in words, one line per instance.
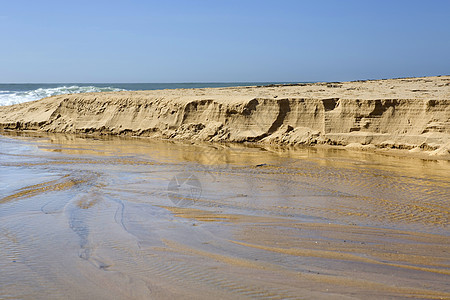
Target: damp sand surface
column 123, row 218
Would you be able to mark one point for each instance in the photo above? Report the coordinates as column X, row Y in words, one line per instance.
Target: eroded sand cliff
column 411, row 114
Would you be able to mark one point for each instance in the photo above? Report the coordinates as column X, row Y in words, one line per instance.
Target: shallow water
column 131, row 218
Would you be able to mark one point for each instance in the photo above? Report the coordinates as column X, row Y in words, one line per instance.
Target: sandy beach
column 324, row 190
column 101, row 217
column 409, row 114
column 224, row 150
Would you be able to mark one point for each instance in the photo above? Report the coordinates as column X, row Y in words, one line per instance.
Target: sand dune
column 411, row 114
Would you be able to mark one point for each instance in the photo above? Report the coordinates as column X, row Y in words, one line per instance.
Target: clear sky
column 212, row 41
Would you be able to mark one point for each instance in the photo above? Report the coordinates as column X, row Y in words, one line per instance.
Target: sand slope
column 410, row 113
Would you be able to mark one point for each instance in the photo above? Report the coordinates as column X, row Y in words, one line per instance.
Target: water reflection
column 79, row 214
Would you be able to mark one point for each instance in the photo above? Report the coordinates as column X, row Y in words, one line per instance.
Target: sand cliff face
column 409, row 114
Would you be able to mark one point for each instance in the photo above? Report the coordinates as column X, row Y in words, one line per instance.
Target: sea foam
column 9, row 97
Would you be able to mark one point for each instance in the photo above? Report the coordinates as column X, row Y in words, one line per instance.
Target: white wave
column 14, row 97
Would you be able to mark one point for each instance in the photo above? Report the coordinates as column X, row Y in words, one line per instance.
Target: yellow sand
column 412, row 114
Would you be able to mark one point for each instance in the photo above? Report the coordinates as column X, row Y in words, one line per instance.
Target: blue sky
column 217, row 41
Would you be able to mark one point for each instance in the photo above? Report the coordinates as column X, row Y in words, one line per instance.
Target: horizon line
column 213, row 82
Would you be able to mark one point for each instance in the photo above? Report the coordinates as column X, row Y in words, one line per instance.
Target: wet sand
column 130, row 218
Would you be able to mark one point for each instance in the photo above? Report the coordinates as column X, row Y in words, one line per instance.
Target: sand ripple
column 85, row 218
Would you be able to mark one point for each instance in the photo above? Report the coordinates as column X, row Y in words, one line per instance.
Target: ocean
column 18, row 92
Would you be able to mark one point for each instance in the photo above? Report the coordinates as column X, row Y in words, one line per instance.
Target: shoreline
column 408, row 116
column 282, row 148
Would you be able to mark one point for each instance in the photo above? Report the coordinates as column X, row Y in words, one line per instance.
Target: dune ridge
column 409, row 113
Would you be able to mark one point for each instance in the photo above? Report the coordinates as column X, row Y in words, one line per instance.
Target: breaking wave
column 9, row 97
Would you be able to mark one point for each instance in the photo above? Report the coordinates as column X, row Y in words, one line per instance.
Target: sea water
column 17, row 92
